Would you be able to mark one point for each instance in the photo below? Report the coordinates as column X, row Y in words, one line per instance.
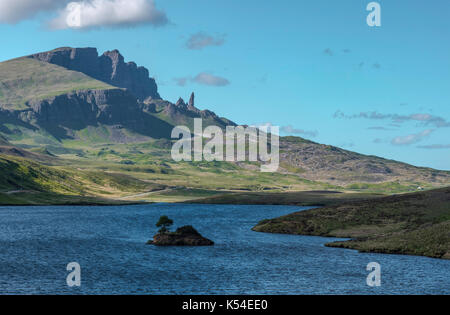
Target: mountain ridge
column 57, row 101
column 60, row 108
column 110, row 67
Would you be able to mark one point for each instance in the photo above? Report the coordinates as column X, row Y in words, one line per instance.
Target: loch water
column 37, row 244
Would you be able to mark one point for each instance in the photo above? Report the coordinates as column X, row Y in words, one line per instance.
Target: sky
column 315, row 68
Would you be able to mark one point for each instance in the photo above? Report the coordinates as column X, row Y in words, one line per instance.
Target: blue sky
column 313, row 67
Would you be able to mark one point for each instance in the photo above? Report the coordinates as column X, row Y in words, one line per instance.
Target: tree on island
column 164, row 223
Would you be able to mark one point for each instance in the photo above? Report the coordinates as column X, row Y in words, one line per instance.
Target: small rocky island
column 183, row 236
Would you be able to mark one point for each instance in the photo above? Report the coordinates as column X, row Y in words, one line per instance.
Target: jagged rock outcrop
column 134, row 105
column 192, row 100
column 112, row 69
column 63, row 114
column 179, row 112
column 180, row 103
column 109, row 68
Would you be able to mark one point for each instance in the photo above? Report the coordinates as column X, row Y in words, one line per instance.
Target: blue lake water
column 37, row 243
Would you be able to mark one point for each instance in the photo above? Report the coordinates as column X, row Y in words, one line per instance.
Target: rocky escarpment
column 109, row 68
column 78, row 109
column 63, row 114
column 184, row 236
column 135, row 100
column 181, row 113
column 180, row 108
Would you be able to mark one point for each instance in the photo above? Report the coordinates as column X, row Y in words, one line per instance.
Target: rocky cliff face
column 78, row 109
column 181, row 113
column 109, row 67
column 63, row 114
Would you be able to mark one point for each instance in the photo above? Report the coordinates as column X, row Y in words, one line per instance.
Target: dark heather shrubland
column 414, row 224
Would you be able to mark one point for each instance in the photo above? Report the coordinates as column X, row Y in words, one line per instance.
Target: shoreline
column 415, row 224
column 296, row 198
column 344, row 245
column 38, row 199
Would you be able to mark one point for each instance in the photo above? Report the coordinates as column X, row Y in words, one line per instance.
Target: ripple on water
column 37, row 243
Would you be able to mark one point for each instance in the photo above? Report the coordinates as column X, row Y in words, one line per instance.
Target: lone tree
column 163, row 223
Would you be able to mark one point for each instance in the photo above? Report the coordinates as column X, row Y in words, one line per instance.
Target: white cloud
column 412, row 138
column 203, row 78
column 291, row 130
column 378, row 140
column 424, row 119
column 209, row 79
column 181, row 81
column 435, row 146
column 201, row 40
column 267, row 127
column 328, row 52
column 14, row 11
column 88, row 14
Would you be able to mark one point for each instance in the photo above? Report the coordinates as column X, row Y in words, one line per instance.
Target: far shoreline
column 296, row 198
column 415, row 224
column 319, row 201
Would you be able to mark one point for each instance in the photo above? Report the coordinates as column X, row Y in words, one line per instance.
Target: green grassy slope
column 3, row 141
column 21, row 174
column 356, row 171
column 415, row 224
column 23, row 181
column 26, row 79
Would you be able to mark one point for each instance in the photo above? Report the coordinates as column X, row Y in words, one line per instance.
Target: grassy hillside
column 414, row 224
column 355, row 171
column 26, row 182
column 26, row 79
column 151, row 162
column 3, row 141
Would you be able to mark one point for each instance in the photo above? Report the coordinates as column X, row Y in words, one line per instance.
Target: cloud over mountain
column 203, row 78
column 85, row 13
column 412, row 138
column 328, row 52
column 210, row 79
column 425, row 119
column 181, row 81
column 14, row 11
column 295, row 131
column 201, row 40
column 109, row 13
